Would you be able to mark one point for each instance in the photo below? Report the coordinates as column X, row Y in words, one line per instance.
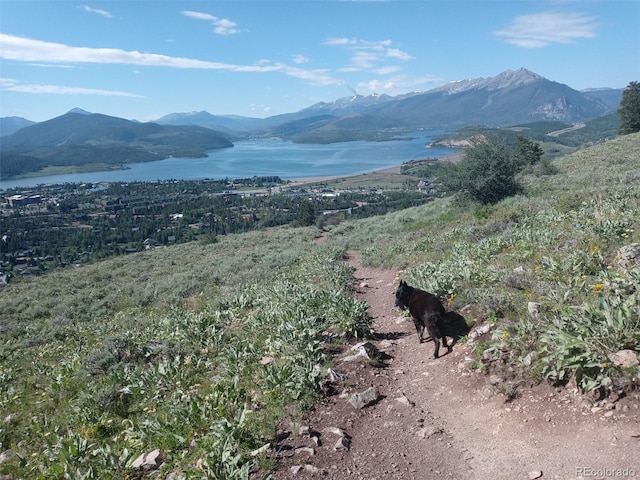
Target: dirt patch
column 438, row 419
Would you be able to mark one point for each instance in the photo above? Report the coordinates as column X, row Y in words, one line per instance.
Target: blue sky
column 145, row 59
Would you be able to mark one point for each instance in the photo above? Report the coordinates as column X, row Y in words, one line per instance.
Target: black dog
column 427, row 312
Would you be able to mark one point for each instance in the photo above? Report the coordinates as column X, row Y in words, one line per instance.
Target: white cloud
column 221, row 26
column 300, row 59
column 386, row 70
column 11, row 85
column 50, row 65
column 103, row 13
column 366, row 54
column 398, row 84
column 318, row 77
column 29, row 50
column 545, row 28
column 399, row 54
column 340, row 41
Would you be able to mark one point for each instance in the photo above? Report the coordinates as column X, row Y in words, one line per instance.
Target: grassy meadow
column 198, row 350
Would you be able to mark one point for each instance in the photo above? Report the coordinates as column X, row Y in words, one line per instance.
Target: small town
column 52, row 226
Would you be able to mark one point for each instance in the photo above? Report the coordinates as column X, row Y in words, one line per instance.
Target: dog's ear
column 402, row 283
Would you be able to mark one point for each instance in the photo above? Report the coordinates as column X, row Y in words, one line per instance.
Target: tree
column 527, row 151
column 486, row 172
column 629, row 110
column 307, row 215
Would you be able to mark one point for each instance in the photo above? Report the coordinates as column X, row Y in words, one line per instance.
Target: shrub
column 486, row 172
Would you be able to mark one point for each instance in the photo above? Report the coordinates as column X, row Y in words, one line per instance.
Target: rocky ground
column 437, row 419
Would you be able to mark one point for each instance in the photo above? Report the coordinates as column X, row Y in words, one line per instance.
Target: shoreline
column 395, row 170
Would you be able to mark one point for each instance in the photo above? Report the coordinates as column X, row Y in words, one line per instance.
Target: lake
column 263, row 157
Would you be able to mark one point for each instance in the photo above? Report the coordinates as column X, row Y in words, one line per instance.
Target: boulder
column 628, row 256
column 364, row 399
column 625, row 358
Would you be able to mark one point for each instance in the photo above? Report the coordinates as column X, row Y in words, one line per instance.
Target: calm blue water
column 263, row 157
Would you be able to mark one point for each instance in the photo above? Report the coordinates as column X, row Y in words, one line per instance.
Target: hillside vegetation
column 561, row 248
column 197, row 351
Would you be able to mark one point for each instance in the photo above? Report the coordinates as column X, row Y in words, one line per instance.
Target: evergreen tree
column 527, row 151
column 307, row 215
column 629, row 110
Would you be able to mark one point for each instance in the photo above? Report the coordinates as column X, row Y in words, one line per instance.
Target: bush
column 486, row 172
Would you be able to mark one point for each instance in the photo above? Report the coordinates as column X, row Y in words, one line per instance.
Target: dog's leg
column 436, row 352
column 435, row 333
column 444, row 343
column 449, row 347
column 419, row 329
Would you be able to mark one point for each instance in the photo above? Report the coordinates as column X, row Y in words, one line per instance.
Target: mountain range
column 510, row 98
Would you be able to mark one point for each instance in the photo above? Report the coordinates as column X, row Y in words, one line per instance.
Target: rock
column 365, row 350
column 266, row 360
column 534, row 308
column 494, row 380
column 335, row 431
column 336, row 376
column 535, row 474
column 260, row 450
column 304, row 430
column 625, row 358
column 9, row 419
column 628, row 256
column 343, row 443
column 295, row 469
column 305, row 451
column 481, row 330
column 364, row 399
column 363, row 285
column 489, row 353
column 148, row 461
column 311, row 469
column 405, row 401
column 6, row 456
column 428, row 432
column 526, row 361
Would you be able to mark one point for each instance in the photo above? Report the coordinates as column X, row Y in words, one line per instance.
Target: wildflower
column 597, row 288
column 450, row 300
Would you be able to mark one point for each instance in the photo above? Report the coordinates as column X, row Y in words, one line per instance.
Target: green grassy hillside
column 557, row 246
column 197, row 350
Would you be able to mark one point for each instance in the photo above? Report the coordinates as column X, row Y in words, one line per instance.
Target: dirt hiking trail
column 435, row 419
